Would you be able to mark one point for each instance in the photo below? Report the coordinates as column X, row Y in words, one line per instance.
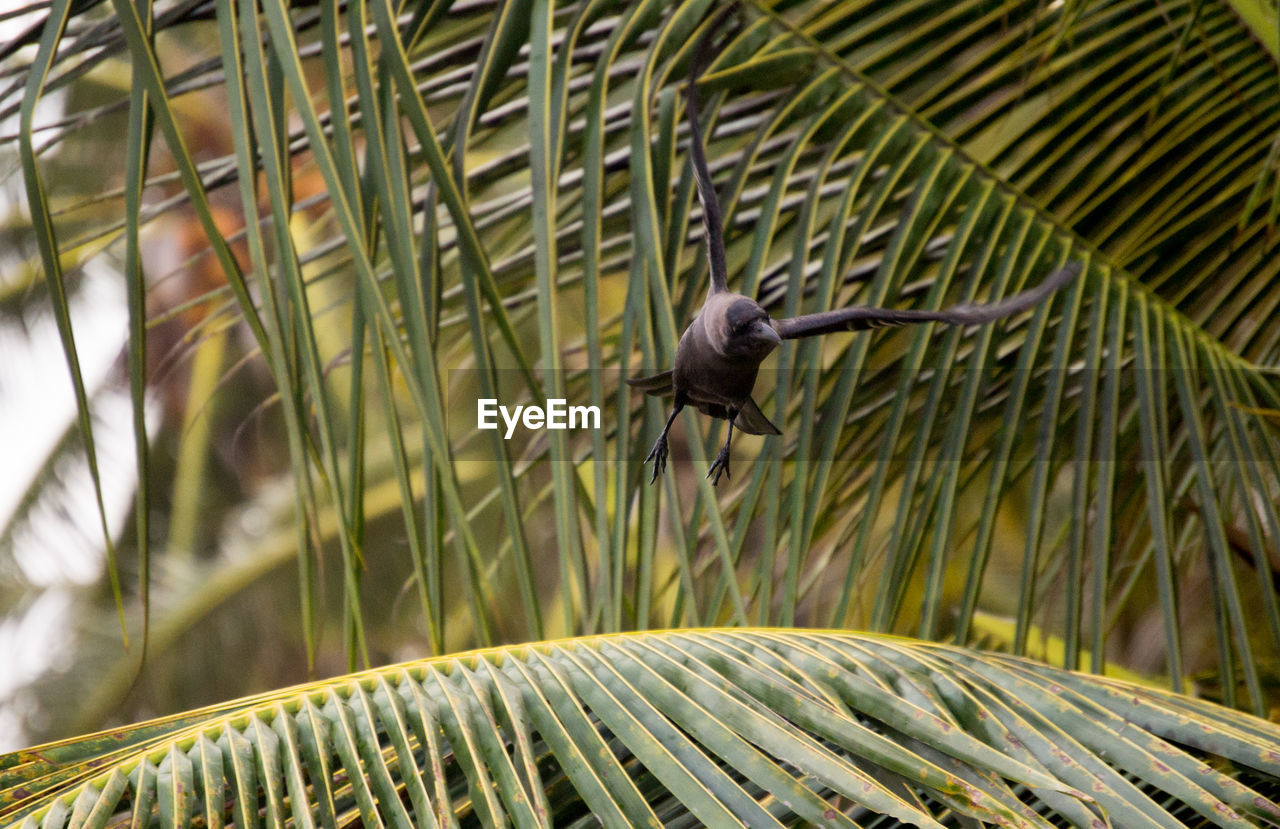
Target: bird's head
column 745, row 331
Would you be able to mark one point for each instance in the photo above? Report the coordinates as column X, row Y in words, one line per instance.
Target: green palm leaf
column 757, row 727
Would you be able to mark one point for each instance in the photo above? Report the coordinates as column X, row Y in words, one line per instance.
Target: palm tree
column 385, row 213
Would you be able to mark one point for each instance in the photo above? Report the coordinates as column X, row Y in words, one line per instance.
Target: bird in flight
column 719, row 354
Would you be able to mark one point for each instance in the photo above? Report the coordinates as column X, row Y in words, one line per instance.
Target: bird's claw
column 719, row 465
column 658, row 454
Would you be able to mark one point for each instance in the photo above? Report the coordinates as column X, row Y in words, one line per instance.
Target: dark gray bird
column 719, row 354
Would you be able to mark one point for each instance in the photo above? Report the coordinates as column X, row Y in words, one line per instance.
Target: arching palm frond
column 756, row 727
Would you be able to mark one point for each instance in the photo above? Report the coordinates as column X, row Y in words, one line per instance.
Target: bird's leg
column 658, row 454
column 721, row 463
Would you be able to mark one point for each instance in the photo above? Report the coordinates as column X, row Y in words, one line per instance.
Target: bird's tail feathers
column 752, row 421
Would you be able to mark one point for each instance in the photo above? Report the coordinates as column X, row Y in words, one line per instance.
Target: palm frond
column 754, row 727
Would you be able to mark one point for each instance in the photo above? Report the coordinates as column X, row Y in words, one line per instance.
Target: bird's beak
column 765, row 333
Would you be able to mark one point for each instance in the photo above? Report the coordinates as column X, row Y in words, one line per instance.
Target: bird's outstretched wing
column 860, row 318
column 658, row 385
column 712, row 224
